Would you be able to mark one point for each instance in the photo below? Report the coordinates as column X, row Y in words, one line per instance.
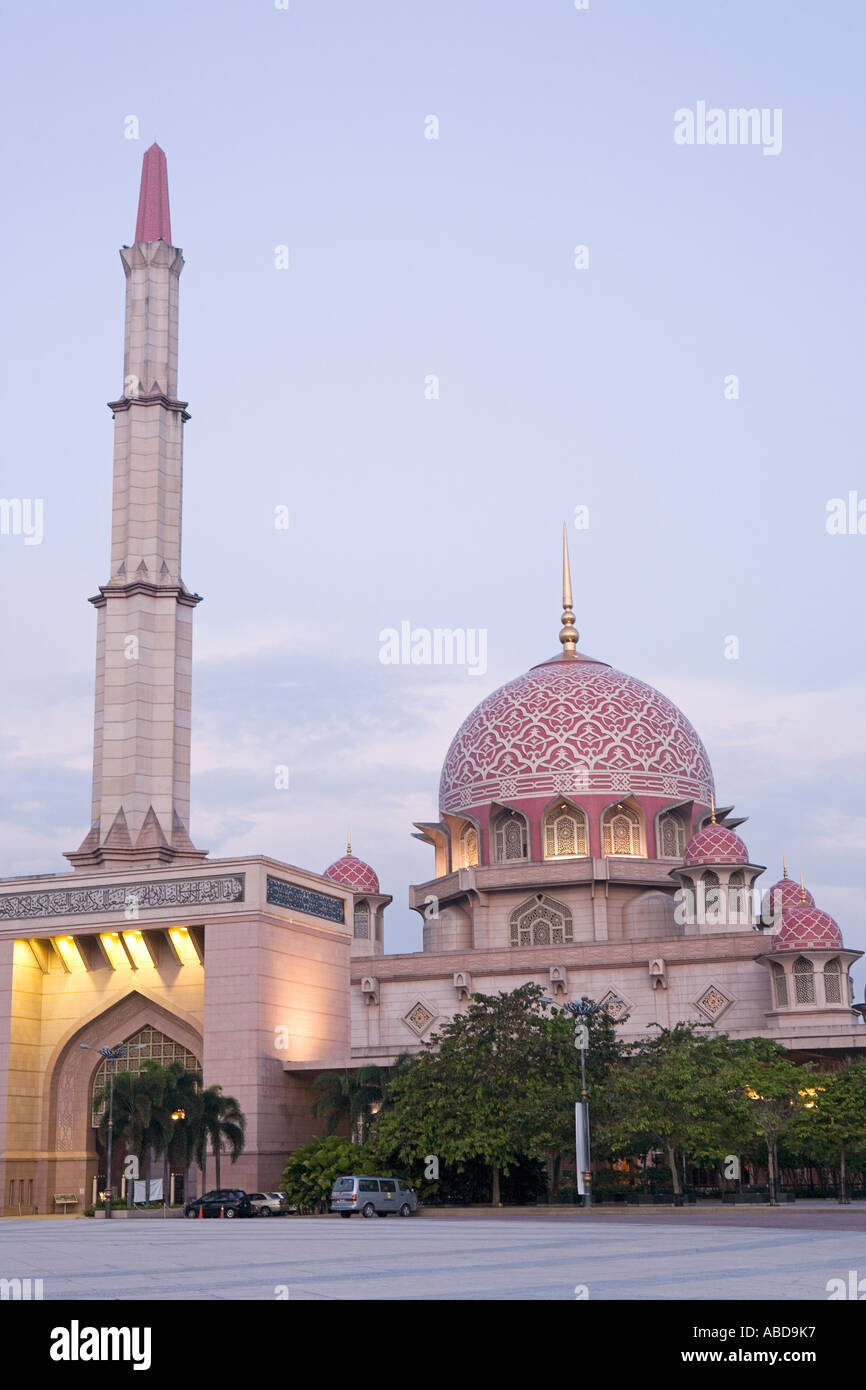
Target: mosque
column 577, row 844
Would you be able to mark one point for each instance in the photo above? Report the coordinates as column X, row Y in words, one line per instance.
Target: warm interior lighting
column 113, row 948
column 68, row 951
column 134, row 942
column 182, row 943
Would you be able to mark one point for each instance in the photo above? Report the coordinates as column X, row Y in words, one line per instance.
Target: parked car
column 373, row 1196
column 268, row 1204
column 230, row 1200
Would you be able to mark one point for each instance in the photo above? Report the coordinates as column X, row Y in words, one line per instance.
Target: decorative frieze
column 284, row 894
column 120, row 897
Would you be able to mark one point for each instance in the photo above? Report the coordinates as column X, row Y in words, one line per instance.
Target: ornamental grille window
column 804, row 981
column 622, row 831
column 541, row 921
column 510, row 838
column 565, row 834
column 156, row 1046
column 833, row 982
column 781, row 986
column 672, row 837
column 469, row 847
column 362, row 919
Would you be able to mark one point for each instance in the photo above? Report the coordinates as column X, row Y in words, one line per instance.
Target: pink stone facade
column 577, row 844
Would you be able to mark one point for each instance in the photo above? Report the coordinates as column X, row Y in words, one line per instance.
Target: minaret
column 141, row 745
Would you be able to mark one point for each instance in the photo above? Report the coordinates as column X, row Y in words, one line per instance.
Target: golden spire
column 712, row 808
column 802, row 887
column 784, row 867
column 569, row 634
column 348, row 841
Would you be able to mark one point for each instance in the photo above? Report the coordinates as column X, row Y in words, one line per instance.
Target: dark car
column 228, row 1200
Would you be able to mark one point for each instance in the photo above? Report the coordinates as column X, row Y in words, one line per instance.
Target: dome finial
column 712, row 808
column 569, row 634
column 348, row 840
column 784, row 867
column 802, row 887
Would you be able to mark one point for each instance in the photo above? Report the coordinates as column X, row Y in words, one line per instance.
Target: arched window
column 155, row 1045
column 362, row 918
column 468, row 847
column 712, row 894
column 804, row 981
column 833, row 982
column 565, row 835
column 509, row 837
column 781, row 986
column 540, row 921
column 739, row 904
column 671, row 837
column 621, row 826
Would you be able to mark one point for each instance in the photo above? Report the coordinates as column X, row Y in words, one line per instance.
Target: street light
column 111, row 1054
column 581, row 1012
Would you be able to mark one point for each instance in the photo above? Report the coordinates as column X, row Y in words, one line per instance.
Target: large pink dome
column 573, row 726
column 715, row 844
column 806, row 926
column 351, row 872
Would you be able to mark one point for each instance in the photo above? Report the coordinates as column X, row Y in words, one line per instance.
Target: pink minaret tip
column 153, row 217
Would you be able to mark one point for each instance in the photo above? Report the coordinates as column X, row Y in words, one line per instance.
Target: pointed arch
column 540, row 921
column 622, row 830
column 670, row 835
column 565, row 831
column 804, row 981
column 833, row 982
column 510, row 835
column 361, row 919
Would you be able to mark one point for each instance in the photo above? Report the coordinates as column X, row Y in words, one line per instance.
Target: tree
column 350, row 1097
column 830, row 1120
column 766, row 1096
column 675, row 1091
column 222, row 1124
column 488, row 1086
column 313, row 1169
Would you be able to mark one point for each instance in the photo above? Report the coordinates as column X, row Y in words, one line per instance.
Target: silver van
column 373, row 1196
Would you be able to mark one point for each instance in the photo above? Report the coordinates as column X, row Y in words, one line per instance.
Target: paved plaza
column 509, row 1255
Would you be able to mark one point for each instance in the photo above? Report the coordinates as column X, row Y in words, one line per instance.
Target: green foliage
column 313, row 1169
column 497, row 1085
column 144, row 1106
column 348, row 1097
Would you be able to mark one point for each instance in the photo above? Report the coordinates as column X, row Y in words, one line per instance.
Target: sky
column 564, row 380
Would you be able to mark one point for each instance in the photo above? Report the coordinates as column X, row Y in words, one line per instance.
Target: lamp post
column 581, row 1012
column 111, row 1054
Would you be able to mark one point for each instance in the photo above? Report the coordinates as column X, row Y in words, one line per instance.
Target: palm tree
column 353, row 1097
column 222, row 1123
column 136, row 1099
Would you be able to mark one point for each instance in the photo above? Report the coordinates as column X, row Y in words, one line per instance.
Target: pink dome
column 786, row 893
column 716, row 844
column 574, row 726
column 806, row 926
column 351, row 872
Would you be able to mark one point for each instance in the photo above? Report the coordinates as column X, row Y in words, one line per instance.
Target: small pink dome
column 806, row 926
column 351, row 872
column 716, row 844
column 786, row 893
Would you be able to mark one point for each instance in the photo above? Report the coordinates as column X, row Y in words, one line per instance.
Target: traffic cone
column 222, row 1211
column 201, row 1212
